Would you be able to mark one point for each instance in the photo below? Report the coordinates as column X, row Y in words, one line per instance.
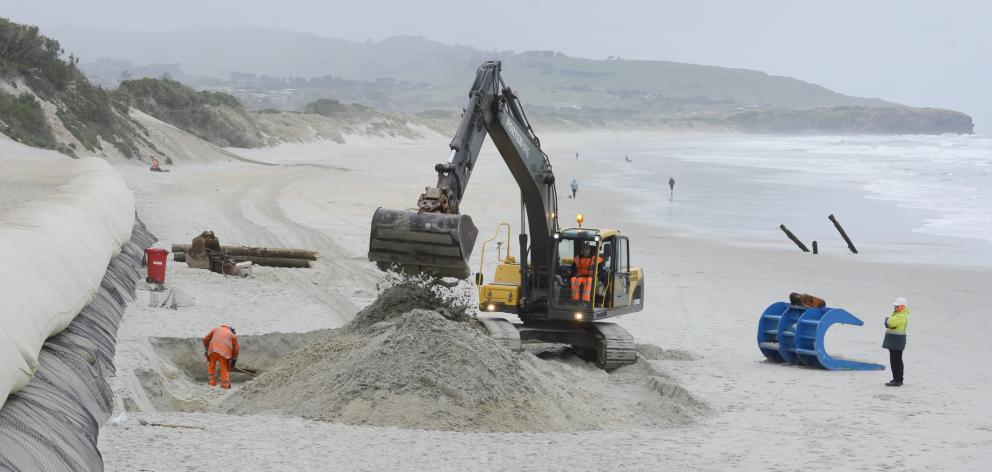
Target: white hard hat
column 899, row 301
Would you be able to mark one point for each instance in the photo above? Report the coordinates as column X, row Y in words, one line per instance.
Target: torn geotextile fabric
column 52, row 424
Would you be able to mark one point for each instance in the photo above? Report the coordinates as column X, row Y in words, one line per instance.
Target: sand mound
column 412, row 359
column 655, row 353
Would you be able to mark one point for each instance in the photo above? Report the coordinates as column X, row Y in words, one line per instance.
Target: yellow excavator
column 564, row 282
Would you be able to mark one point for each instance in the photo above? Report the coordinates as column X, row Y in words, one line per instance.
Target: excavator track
column 606, row 344
column 616, row 348
column 503, row 332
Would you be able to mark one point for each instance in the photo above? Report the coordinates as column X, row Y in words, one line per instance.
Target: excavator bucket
column 433, row 243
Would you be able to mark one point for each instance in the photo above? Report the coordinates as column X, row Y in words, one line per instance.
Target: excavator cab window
column 575, row 277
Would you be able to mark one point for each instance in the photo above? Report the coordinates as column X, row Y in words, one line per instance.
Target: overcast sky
column 923, row 53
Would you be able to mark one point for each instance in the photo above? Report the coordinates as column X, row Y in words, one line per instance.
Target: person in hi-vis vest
column 895, row 339
column 221, row 349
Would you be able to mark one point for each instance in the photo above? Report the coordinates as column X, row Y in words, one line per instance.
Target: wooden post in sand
column 794, row 238
column 816, row 250
column 843, row 234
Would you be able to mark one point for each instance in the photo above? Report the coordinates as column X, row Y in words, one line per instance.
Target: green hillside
column 33, row 70
column 212, row 116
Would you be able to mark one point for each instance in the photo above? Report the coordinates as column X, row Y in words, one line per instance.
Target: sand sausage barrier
column 53, row 422
column 55, row 252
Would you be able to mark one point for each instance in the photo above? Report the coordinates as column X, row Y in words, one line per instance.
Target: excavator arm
column 436, row 238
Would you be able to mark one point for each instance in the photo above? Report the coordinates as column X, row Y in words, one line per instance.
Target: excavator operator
column 582, row 281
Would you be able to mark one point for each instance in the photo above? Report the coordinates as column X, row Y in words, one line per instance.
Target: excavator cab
column 593, row 278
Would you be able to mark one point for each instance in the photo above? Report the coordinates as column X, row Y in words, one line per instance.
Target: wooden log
column 167, row 425
column 259, row 252
column 843, row 234
column 262, row 261
column 794, row 238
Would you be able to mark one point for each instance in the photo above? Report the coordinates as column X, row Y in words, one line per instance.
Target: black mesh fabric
column 52, row 424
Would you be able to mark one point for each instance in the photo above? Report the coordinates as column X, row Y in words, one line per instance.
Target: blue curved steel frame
column 794, row 334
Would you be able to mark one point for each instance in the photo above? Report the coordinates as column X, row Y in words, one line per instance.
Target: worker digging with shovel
column 221, row 348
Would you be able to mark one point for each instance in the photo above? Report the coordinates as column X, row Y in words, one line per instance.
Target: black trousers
column 895, row 360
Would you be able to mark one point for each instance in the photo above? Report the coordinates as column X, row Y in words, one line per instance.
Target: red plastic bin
column 156, row 258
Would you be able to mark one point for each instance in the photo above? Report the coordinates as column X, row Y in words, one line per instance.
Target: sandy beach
column 703, row 301
column 703, row 298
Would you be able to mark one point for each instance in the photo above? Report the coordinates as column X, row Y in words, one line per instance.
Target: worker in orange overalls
column 582, row 281
column 221, row 347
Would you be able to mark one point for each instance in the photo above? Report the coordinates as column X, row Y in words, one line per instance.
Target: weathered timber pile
column 263, row 256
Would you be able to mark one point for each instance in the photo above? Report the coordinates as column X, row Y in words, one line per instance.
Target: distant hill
column 545, row 77
column 852, row 120
column 47, row 101
column 271, row 68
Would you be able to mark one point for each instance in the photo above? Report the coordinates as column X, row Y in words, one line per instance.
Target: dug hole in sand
column 415, row 358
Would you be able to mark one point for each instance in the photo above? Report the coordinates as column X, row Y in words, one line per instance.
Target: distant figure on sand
column 574, row 186
column 895, row 339
column 155, row 166
column 671, row 185
column 627, row 159
column 576, row 156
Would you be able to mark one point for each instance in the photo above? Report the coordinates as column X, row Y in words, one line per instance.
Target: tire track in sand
column 335, row 278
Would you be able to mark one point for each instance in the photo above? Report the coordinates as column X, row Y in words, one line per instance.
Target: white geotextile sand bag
column 53, row 254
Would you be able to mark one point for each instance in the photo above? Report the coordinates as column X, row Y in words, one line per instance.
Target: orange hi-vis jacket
column 584, row 266
column 582, row 282
column 221, row 340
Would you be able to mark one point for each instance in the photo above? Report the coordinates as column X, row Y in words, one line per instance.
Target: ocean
column 924, row 199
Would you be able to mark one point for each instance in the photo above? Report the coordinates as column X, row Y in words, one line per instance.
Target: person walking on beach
column 895, row 339
column 574, row 186
column 221, row 347
column 671, row 185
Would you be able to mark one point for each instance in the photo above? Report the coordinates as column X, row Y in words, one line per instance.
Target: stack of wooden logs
column 263, row 256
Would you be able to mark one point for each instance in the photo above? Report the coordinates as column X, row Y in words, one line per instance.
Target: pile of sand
column 412, row 359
